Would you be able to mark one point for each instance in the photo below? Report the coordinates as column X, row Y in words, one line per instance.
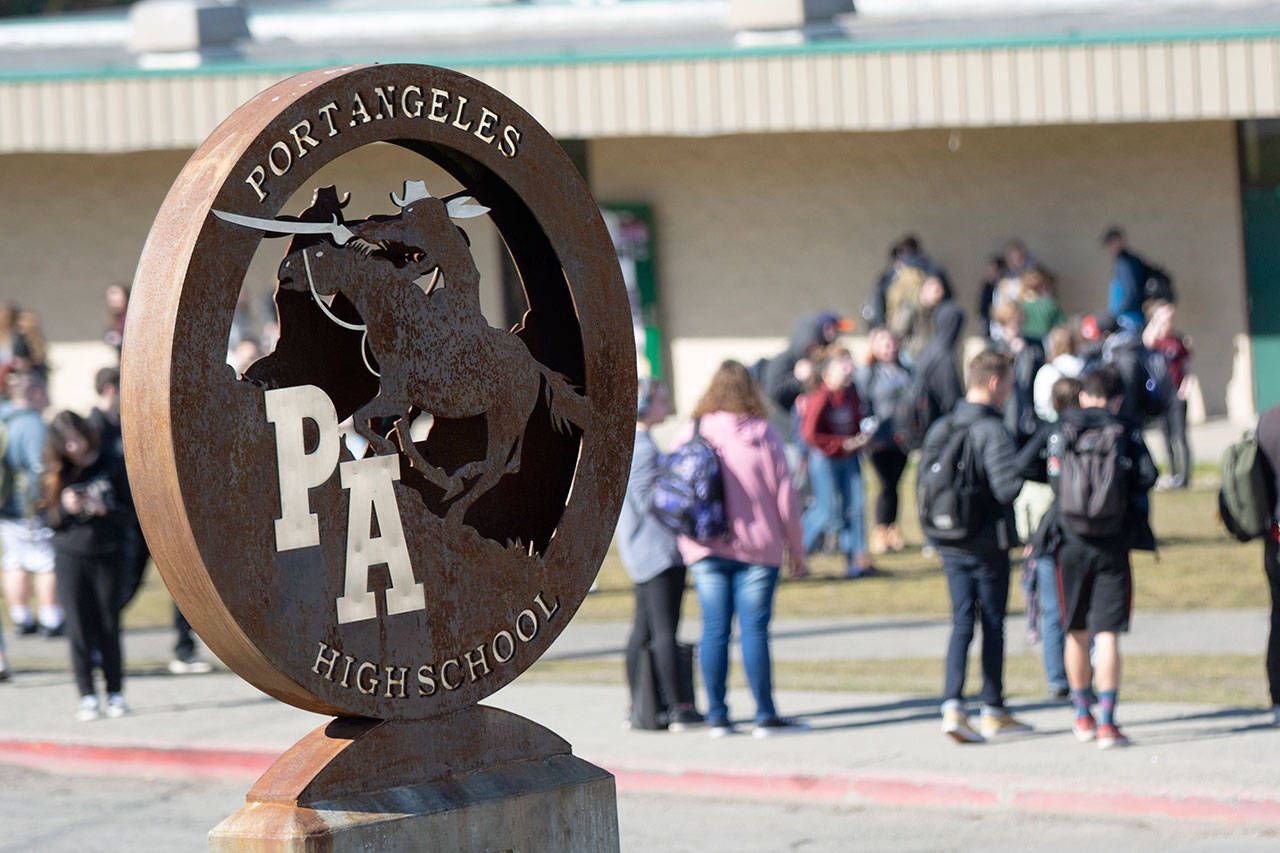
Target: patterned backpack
column 688, row 495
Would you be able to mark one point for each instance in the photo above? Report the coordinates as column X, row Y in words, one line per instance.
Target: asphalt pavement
column 1188, row 762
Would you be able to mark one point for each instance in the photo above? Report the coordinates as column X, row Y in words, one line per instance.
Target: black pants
column 89, row 588
column 657, row 618
column 889, row 463
column 979, row 587
column 1271, row 554
column 184, row 646
column 1173, row 423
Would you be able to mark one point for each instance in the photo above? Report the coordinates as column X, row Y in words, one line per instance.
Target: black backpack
column 1148, row 383
column 688, row 494
column 1092, row 470
column 913, row 416
column 951, row 489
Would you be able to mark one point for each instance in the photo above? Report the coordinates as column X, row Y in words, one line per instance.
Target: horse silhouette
column 432, row 347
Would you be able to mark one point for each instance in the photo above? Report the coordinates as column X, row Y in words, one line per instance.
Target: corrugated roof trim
column 1176, row 81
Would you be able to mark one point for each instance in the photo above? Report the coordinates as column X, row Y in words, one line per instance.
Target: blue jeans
column 837, row 503
column 725, row 586
column 1052, row 637
column 979, row 588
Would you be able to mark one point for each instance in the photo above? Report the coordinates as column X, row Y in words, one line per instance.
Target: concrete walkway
column 861, row 637
column 1188, row 761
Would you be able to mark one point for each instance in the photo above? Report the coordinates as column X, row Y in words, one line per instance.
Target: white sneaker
column 1002, row 723
column 195, row 666
column 90, row 709
column 116, row 706
column 956, row 726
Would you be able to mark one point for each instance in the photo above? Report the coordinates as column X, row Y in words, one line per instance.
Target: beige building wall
column 72, row 224
column 753, row 230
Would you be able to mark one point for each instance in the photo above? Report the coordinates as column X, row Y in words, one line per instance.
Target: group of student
column 1085, row 538
column 734, row 572
column 1063, row 401
column 1099, row 471
column 71, row 550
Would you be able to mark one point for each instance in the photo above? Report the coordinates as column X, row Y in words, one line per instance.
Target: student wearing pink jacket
column 739, row 573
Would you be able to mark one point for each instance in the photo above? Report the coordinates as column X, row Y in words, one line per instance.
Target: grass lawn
column 1199, row 567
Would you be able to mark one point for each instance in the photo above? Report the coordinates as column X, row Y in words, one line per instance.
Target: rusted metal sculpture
column 407, row 584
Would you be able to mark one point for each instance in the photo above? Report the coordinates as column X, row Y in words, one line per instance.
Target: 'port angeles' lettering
column 450, row 109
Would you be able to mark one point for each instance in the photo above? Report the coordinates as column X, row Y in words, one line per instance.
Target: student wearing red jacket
column 831, row 429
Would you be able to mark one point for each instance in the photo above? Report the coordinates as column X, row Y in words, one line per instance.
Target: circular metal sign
column 408, row 579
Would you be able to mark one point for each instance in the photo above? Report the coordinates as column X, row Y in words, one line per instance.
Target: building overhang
column 848, row 84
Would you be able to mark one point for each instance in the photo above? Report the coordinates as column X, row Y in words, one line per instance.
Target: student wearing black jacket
column 936, row 368
column 977, row 568
column 1094, row 576
column 81, row 500
column 1269, row 447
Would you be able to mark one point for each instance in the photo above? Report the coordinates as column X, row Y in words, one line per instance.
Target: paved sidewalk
column 1189, row 761
column 861, row 637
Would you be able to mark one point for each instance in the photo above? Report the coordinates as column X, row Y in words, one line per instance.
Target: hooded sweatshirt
column 760, row 503
column 780, row 384
column 936, row 368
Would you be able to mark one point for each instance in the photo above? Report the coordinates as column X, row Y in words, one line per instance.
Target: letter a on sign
column 369, row 481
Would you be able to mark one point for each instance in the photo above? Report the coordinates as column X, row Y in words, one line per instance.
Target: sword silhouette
column 340, row 233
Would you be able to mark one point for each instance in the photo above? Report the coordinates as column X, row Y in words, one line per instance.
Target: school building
column 766, row 154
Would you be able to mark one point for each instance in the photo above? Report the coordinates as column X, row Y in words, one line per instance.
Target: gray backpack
column 1244, row 501
column 1093, row 487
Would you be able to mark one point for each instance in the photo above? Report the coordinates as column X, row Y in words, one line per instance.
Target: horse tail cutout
column 568, row 407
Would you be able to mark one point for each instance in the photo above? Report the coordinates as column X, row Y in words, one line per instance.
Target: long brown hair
column 8, row 317
column 732, row 390
column 58, row 469
column 28, row 326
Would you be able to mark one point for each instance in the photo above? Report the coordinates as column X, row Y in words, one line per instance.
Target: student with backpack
column 1099, row 468
column 1164, row 342
column 648, row 551
column 967, row 480
column 737, row 573
column 935, row 384
column 25, row 540
column 1128, row 279
column 1268, row 444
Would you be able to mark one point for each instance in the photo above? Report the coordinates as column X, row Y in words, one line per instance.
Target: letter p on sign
column 300, row 471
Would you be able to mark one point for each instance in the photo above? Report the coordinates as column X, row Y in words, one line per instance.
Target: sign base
column 477, row 779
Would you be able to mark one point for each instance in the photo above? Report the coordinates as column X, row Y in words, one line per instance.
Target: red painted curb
column 905, row 791
column 189, row 761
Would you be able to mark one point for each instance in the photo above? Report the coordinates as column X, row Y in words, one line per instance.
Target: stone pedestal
column 480, row 779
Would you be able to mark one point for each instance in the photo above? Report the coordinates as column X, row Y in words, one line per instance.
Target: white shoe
column 719, row 730
column 116, row 706
column 90, row 709
column 195, row 666
column 1002, row 723
column 956, row 726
